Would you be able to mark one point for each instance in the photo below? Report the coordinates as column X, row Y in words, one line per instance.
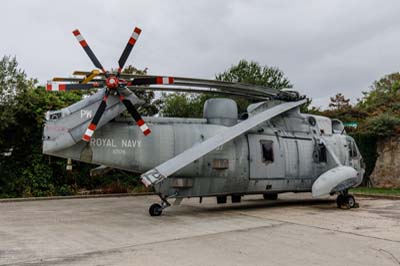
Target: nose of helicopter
column 334, row 180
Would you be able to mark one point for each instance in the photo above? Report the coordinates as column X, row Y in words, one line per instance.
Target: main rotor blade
column 67, row 87
column 94, row 73
column 260, row 91
column 93, row 124
column 136, row 116
column 204, row 83
column 87, row 49
column 183, row 159
column 200, row 90
column 128, row 48
column 77, row 80
column 151, row 81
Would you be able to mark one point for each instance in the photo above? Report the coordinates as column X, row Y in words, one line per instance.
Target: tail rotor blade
column 87, row 49
column 93, row 124
column 128, row 48
column 136, row 116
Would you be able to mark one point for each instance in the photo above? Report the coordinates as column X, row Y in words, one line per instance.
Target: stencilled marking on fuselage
column 118, row 152
column 56, row 128
column 112, row 143
column 131, row 143
column 85, row 114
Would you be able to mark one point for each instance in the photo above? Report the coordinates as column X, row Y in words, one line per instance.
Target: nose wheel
column 346, row 201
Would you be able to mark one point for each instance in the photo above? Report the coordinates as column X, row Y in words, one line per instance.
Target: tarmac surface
column 294, row 230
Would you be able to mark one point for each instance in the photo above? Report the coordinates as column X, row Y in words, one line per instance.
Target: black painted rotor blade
column 151, row 81
column 87, row 49
column 93, row 124
column 136, row 116
column 128, row 48
column 72, row 86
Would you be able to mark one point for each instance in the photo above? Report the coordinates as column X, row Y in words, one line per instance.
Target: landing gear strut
column 156, row 209
column 346, row 200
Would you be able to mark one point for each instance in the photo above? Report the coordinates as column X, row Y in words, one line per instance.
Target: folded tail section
column 66, row 127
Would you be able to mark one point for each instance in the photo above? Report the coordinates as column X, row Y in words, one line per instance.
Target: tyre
column 270, row 196
column 221, row 199
column 236, row 198
column 155, row 210
column 350, row 201
column 339, row 201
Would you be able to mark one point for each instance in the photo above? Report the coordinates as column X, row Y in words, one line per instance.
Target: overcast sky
column 324, row 47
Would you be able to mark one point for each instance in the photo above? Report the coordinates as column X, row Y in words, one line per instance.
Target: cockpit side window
column 352, row 149
column 267, row 151
column 322, row 158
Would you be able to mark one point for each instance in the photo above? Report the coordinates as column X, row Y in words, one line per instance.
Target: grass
column 377, row 191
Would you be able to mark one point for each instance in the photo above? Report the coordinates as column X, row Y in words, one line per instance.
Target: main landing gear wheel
column 221, row 199
column 350, row 201
column 346, row 201
column 339, row 201
column 155, row 209
column 270, row 196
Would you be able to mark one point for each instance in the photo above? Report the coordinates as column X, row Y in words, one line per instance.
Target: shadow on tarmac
column 254, row 204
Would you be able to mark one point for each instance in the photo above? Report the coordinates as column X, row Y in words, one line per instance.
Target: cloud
column 324, row 47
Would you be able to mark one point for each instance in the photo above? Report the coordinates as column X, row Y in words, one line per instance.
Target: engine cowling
column 221, row 111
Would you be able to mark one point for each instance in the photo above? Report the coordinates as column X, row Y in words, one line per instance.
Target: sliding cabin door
column 266, row 157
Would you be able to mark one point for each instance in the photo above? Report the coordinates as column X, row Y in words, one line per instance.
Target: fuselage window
column 267, row 151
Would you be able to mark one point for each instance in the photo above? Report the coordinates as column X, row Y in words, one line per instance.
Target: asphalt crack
column 391, row 256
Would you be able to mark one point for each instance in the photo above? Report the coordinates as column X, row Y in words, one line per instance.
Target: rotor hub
column 112, row 82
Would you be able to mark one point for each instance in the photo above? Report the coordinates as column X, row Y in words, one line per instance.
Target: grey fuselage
column 280, row 155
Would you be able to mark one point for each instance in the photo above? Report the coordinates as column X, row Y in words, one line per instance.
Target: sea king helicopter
column 273, row 149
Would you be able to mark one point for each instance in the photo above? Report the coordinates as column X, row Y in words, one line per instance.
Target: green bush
column 367, row 145
column 383, row 125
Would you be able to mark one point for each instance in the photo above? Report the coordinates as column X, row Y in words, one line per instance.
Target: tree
column 339, row 102
column 13, row 80
column 255, row 74
column 383, row 125
column 151, row 105
column 244, row 72
column 24, row 170
column 308, row 109
column 182, row 105
column 383, row 96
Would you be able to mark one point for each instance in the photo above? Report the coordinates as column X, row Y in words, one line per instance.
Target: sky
column 323, row 47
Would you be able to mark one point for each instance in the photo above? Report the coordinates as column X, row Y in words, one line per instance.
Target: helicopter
column 272, row 149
